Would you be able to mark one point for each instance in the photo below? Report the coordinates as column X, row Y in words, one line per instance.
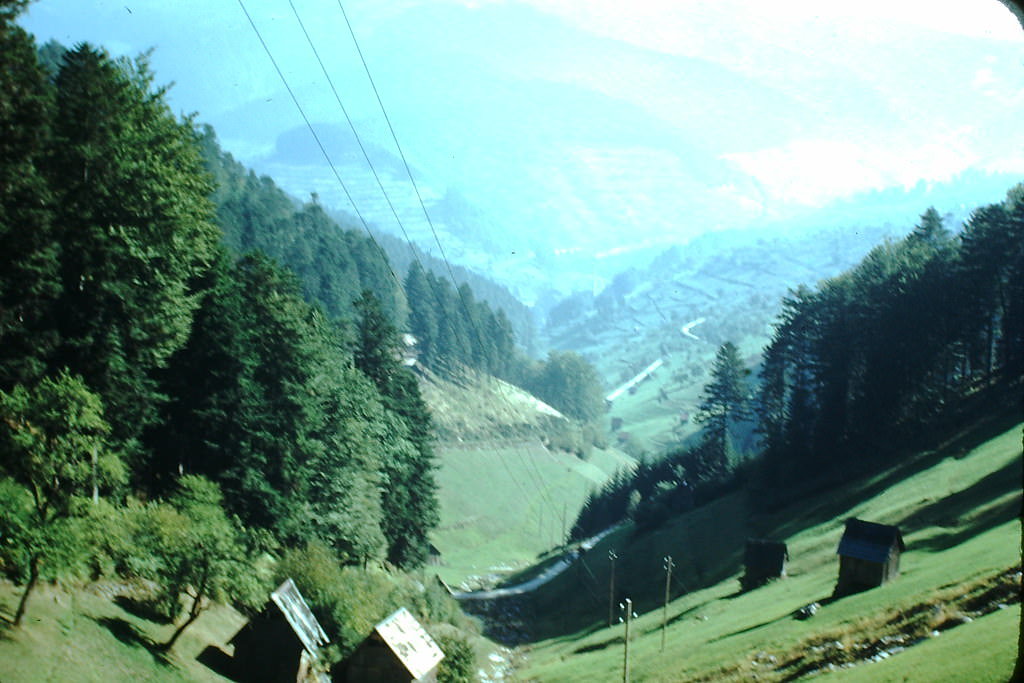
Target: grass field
column 504, row 503
column 506, row 498
column 960, row 514
column 84, row 636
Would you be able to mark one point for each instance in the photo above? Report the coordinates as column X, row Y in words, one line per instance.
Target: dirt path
column 551, row 572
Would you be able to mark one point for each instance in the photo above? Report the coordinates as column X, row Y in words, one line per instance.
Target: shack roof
column 869, row 541
column 410, row 642
column 299, row 617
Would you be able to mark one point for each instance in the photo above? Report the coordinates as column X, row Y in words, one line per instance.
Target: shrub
column 459, row 663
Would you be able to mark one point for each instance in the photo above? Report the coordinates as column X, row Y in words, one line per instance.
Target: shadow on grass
column 597, row 647
column 219, row 662
column 822, row 603
column 751, row 628
column 988, row 519
column 870, row 478
column 6, row 627
column 128, row 634
column 140, row 609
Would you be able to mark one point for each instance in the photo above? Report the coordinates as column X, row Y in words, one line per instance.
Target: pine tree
column 409, row 498
column 423, row 312
column 29, row 279
column 134, row 219
column 725, row 401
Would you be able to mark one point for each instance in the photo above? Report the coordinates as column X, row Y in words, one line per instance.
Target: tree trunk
column 193, row 614
column 33, row 579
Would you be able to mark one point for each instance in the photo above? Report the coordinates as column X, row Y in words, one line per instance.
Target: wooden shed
column 398, row 651
column 434, row 557
column 869, row 555
column 763, row 561
column 281, row 643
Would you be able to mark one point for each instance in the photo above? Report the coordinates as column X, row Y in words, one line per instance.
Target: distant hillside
column 509, row 481
column 681, row 304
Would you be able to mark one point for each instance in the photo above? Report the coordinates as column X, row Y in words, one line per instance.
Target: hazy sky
column 965, row 104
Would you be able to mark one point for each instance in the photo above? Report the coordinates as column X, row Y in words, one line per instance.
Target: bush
column 459, row 663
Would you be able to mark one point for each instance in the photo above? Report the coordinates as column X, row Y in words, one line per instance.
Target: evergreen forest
column 202, row 384
column 919, row 336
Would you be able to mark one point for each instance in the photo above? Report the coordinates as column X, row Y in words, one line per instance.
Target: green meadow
column 505, row 503
column 959, row 509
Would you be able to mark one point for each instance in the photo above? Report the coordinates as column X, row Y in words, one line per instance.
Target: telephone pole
column 628, row 607
column 664, row 612
column 611, row 589
column 565, row 532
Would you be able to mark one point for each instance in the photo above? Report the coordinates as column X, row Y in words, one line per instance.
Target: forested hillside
column 452, row 328
column 172, row 405
column 202, row 384
column 333, row 265
column 916, row 337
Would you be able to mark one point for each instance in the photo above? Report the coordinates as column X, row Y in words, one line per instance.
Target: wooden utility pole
column 611, row 589
column 664, row 612
column 625, row 651
column 565, row 532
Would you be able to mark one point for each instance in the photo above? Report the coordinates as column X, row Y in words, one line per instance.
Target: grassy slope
column 960, row 515
column 504, row 502
column 505, row 498
column 84, row 636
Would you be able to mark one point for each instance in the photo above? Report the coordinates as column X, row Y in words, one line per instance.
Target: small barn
column 281, row 643
column 763, row 561
column 869, row 555
column 398, row 651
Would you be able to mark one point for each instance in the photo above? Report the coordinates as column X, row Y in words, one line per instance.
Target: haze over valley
column 705, row 315
column 549, row 147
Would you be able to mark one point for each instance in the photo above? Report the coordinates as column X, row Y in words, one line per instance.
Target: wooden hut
column 869, row 555
column 763, row 561
column 398, row 651
column 281, row 643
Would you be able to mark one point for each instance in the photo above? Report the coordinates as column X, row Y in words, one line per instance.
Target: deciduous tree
column 52, row 443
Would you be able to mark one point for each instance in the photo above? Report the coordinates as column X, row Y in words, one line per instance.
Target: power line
column 352, row 126
column 408, row 171
column 337, row 175
column 316, row 137
column 533, row 471
column 394, row 137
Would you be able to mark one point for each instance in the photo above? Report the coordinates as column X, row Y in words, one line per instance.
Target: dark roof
column 869, row 541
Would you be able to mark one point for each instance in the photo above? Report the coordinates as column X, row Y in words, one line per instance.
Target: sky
column 871, row 98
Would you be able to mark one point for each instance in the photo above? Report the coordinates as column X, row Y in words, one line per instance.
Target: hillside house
column 434, row 557
column 763, row 561
column 281, row 643
column 398, row 651
column 869, row 555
